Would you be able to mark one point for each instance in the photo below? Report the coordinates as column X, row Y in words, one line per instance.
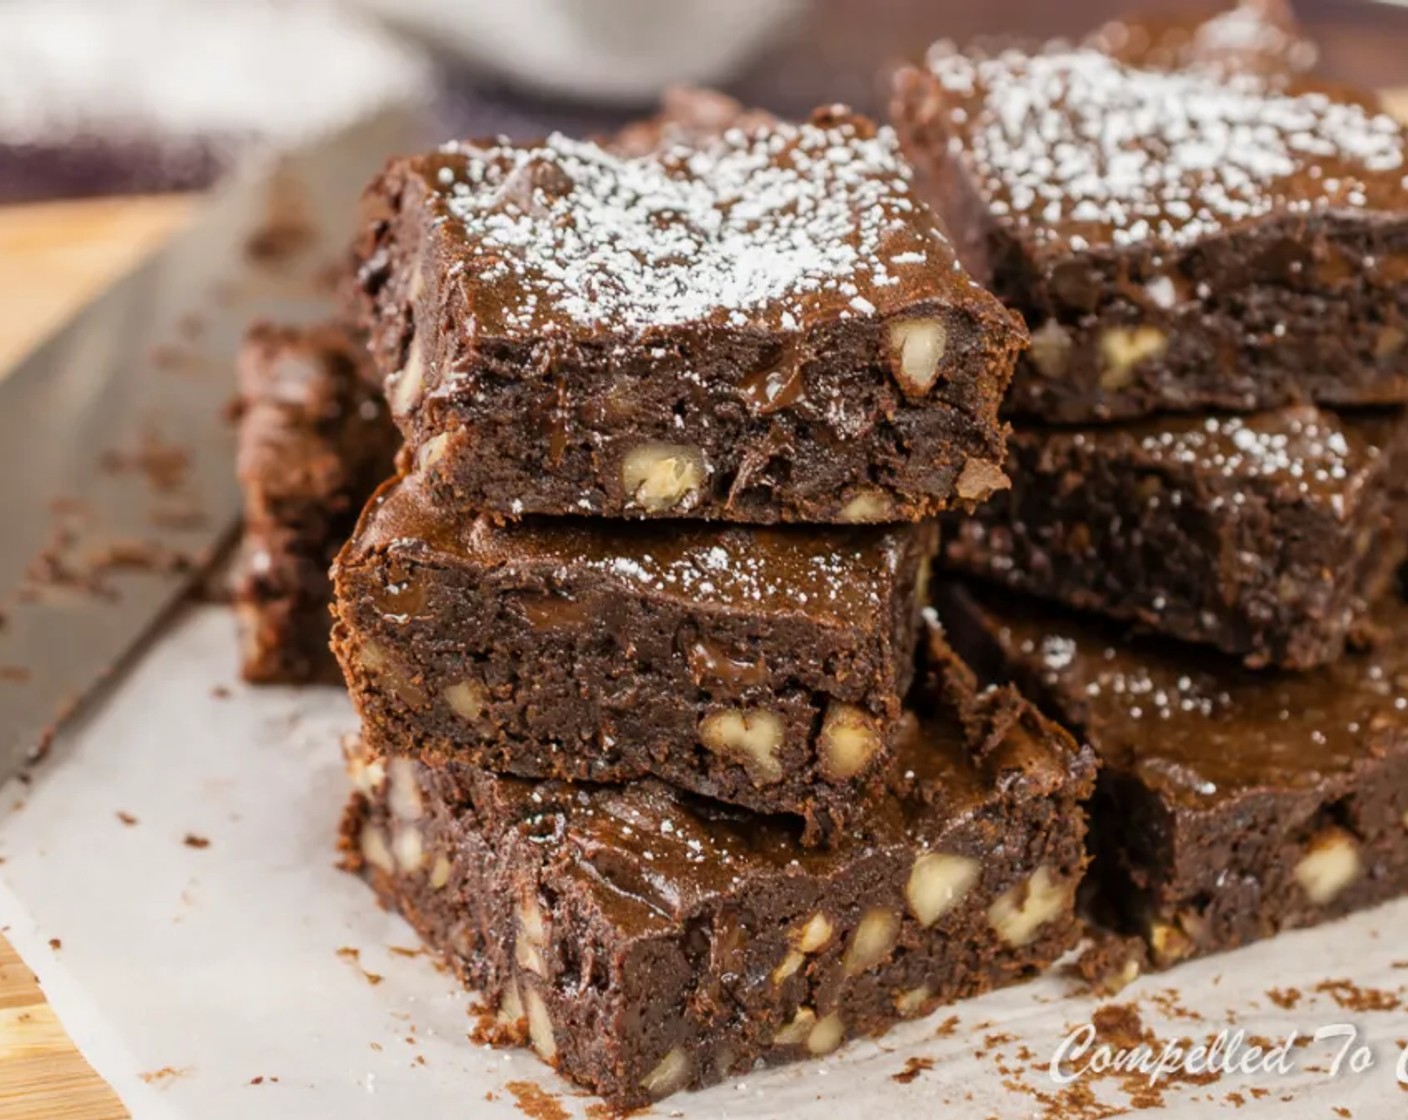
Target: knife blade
column 117, row 486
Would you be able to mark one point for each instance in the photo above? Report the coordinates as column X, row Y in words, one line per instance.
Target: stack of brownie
column 644, row 754
column 1210, row 448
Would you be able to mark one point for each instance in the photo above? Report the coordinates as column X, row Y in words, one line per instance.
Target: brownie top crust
column 1201, row 728
column 1300, row 452
column 1076, row 150
column 648, row 852
column 766, row 224
column 843, row 574
column 1258, row 35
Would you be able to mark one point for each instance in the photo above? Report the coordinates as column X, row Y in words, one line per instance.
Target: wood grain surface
column 56, row 256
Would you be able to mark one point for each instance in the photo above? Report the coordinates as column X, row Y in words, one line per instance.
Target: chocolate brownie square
column 1177, row 241
column 646, row 941
column 1266, row 535
column 763, row 666
column 761, row 324
column 1231, row 804
column 314, row 442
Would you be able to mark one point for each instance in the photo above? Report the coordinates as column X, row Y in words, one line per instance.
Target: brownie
column 1257, row 36
column 1232, row 804
column 762, row 325
column 688, row 116
column 1267, row 535
column 1177, row 241
column 314, row 442
column 647, row 941
column 763, row 666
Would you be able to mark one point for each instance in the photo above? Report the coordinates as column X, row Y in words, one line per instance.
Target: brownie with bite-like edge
column 760, row 665
column 314, row 441
column 646, row 941
column 759, row 324
column 1267, row 535
column 1232, row 804
column 1177, row 241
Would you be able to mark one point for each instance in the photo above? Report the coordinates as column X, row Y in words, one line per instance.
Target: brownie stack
column 1211, row 254
column 657, row 749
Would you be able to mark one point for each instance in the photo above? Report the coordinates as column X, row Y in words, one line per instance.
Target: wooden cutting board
column 57, row 255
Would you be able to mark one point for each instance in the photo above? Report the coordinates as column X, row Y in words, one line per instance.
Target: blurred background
column 116, row 96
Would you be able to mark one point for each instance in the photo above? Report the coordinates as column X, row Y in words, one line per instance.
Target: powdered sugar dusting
column 1076, row 147
column 1302, row 447
column 753, row 225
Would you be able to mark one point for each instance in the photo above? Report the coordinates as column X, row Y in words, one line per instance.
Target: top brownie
column 756, row 324
column 1176, row 240
column 1257, row 36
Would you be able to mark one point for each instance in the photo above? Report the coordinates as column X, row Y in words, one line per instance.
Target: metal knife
column 117, row 485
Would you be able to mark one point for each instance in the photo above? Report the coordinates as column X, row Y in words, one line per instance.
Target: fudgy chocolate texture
column 1231, row 804
column 764, row 325
column 763, row 666
column 1176, row 241
column 314, row 442
column 1268, row 535
column 645, row 941
column 1252, row 36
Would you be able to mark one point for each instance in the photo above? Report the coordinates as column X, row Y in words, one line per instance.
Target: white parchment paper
column 206, row 983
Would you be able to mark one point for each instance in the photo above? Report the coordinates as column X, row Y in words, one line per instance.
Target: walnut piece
column 433, row 450
column 1331, row 863
column 826, row 1035
column 937, row 883
column 797, row 1030
column 440, row 872
column 752, row 736
column 873, row 940
column 865, row 507
column 1021, row 911
column 511, row 1006
column 661, row 476
column 531, row 937
column 1123, row 348
column 847, row 741
column 815, row 934
column 1051, row 349
column 912, row 1001
column 409, row 849
column 375, row 849
column 788, row 965
column 467, row 699
column 408, row 385
column 670, row 1075
column 918, row 346
column 539, row 1026
column 402, row 791
column 366, row 772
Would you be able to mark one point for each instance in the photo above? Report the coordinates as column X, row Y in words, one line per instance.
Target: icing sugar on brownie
column 1080, row 149
column 772, row 223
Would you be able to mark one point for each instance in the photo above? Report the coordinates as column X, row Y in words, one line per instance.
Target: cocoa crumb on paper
column 1352, row 997
column 913, row 1067
column 947, row 1027
column 164, row 1075
column 126, row 818
column 55, row 944
column 1284, row 998
column 536, row 1102
column 194, row 841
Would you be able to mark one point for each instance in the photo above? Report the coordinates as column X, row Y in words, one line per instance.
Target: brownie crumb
column 126, row 818
column 947, row 1027
column 1352, row 997
column 535, row 1102
column 912, row 1069
column 55, row 944
column 221, row 692
column 1284, row 998
column 194, row 841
